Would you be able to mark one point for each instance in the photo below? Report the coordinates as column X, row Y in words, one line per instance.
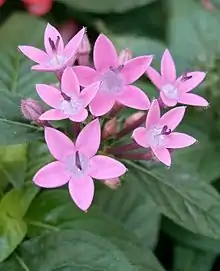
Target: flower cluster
column 36, row 7
column 92, row 97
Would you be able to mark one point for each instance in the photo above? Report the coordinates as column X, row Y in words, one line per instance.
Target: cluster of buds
column 92, row 98
column 36, row 7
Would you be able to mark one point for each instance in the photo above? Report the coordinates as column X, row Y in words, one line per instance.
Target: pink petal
column 59, row 145
column 167, row 101
column 104, row 167
column 134, row 68
column 101, row 104
column 193, row 99
column 70, row 83
column 44, row 68
column 50, row 95
column 153, row 115
column 81, row 116
column 73, row 45
column 88, row 140
column 53, row 114
column 134, row 97
column 52, row 33
column 104, row 55
column 88, row 93
column 163, row 155
column 140, row 136
column 155, row 77
column 188, row 85
column 179, row 140
column 34, row 54
column 52, row 175
column 86, row 75
column 173, row 117
column 168, row 70
column 82, row 191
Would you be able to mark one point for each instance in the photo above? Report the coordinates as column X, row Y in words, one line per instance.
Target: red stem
column 124, row 148
column 135, row 156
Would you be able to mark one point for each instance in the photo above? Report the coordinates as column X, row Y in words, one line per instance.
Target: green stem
column 21, row 262
column 42, row 225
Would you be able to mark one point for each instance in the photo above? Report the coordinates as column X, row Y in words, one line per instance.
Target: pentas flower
column 57, row 56
column 158, row 133
column 70, row 102
column 176, row 90
column 114, row 78
column 38, row 7
column 77, row 164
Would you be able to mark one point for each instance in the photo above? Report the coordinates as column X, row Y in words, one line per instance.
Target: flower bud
column 2, row 2
column 31, row 109
column 84, row 51
column 68, row 30
column 124, row 56
column 38, row 7
column 133, row 118
column 110, row 128
column 113, row 183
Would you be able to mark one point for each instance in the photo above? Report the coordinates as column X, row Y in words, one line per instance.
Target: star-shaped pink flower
column 77, row 164
column 57, row 57
column 69, row 102
column 114, row 78
column 176, row 90
column 158, row 134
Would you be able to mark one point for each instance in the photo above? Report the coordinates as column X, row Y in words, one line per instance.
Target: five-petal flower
column 114, row 78
column 69, row 102
column 158, row 133
column 77, row 164
column 176, row 90
column 57, row 57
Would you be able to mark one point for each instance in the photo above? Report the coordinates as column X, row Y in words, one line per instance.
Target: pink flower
column 57, row 57
column 77, row 164
column 114, row 78
column 69, row 102
column 158, row 134
column 172, row 90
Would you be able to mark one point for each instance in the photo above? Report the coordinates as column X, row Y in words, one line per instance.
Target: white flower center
column 111, row 82
column 71, row 107
column 155, row 137
column 170, row 91
column 77, row 165
column 57, row 60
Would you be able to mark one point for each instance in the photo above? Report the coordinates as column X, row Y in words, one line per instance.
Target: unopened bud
column 84, row 51
column 124, row 56
column 110, row 128
column 113, row 183
column 133, row 118
column 38, row 7
column 2, row 2
column 68, row 30
column 31, row 109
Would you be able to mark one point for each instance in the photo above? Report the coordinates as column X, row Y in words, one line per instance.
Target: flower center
column 77, row 165
column 157, row 135
column 111, row 82
column 170, row 91
column 71, row 106
column 57, row 60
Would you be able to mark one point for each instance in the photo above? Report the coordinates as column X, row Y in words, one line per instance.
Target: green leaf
column 15, row 74
column 192, row 204
column 53, row 211
column 193, row 31
column 13, row 207
column 188, row 259
column 13, row 165
column 12, row 232
column 99, row 6
column 134, row 211
column 14, row 129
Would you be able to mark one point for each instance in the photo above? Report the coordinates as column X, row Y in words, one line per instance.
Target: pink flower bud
column 84, row 52
column 133, row 118
column 68, row 30
column 110, row 128
column 124, row 56
column 113, row 183
column 2, row 2
column 38, row 7
column 31, row 109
